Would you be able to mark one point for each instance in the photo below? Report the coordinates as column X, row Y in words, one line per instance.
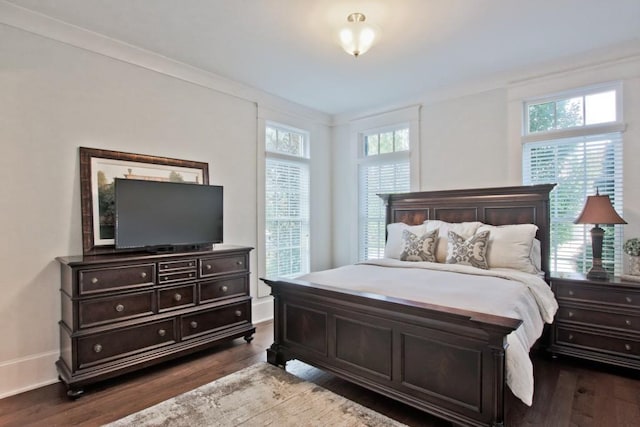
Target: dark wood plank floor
column 568, row 392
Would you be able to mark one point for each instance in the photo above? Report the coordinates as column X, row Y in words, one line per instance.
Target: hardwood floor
column 568, row 392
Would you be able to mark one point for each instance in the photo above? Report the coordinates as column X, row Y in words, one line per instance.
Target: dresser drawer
column 176, row 297
column 591, row 341
column 110, row 309
column 600, row 294
column 223, row 265
column 114, row 278
column 106, row 346
column 166, row 278
column 209, row 321
column 599, row 318
column 218, row 289
column 169, row 266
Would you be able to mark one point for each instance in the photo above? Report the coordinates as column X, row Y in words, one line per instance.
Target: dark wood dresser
column 123, row 312
column 597, row 320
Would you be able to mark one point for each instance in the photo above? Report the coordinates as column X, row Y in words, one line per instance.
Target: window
column 384, row 168
column 575, row 141
column 286, row 202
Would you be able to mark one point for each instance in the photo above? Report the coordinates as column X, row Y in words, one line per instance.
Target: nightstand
column 597, row 320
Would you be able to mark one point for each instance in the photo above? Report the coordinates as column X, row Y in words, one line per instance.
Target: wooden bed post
column 274, row 353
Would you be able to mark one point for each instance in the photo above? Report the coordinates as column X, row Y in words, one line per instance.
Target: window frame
column 584, row 130
column 582, row 134
column 267, row 118
column 365, row 161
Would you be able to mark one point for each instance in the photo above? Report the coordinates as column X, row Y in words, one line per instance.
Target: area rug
column 260, row 395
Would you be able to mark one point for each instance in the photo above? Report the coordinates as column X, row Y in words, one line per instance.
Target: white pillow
column 394, row 247
column 510, row 246
column 536, row 255
column 462, row 229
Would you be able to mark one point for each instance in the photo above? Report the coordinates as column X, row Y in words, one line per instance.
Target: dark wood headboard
column 495, row 206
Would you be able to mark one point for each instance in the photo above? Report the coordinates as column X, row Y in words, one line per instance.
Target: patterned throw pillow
column 421, row 248
column 472, row 251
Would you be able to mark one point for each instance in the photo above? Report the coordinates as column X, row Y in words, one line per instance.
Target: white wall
column 56, row 98
column 473, row 141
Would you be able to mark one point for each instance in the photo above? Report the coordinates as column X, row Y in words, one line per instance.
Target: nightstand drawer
column 116, row 278
column 592, row 341
column 599, row 295
column 599, row 318
column 98, row 311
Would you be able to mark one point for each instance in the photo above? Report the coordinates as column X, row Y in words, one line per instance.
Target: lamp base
column 598, row 273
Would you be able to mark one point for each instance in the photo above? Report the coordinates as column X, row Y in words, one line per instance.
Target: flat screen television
column 167, row 216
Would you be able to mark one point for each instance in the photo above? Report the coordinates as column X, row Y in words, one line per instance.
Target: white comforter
column 502, row 292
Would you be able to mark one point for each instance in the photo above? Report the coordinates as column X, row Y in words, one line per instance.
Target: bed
column 442, row 358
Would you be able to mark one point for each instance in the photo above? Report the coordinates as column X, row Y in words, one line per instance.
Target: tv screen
column 152, row 214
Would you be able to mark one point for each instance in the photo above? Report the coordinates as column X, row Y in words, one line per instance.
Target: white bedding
column 502, row 292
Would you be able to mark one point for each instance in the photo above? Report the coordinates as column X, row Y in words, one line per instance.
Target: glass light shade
column 357, row 36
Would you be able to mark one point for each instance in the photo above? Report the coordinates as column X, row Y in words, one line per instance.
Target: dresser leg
column 248, row 338
column 74, row 393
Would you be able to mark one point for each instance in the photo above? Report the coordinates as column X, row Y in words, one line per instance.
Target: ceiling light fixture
column 357, row 36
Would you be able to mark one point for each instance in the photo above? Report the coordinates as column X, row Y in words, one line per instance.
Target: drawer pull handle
column 570, row 337
column 627, row 347
column 119, row 308
column 165, row 266
column 571, row 314
column 190, row 274
column 224, row 289
column 190, row 264
column 239, row 263
column 238, row 313
column 165, row 278
column 177, row 297
column 143, row 274
column 629, row 299
column 162, row 332
column 97, row 348
column 208, row 267
column 193, row 324
column 571, row 293
column 627, row 322
column 94, row 280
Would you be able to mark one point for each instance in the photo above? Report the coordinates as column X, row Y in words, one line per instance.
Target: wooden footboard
column 445, row 361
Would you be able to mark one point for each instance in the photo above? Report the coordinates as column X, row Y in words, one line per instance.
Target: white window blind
column 384, row 168
column 286, row 203
column 579, row 166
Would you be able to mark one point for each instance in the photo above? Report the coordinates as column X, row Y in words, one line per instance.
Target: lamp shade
column 357, row 36
column 598, row 210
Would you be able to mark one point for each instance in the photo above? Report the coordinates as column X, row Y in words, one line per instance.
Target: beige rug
column 260, row 395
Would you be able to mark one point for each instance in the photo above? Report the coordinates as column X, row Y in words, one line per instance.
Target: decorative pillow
column 421, row 248
column 393, row 247
column 510, row 246
column 472, row 251
column 463, row 229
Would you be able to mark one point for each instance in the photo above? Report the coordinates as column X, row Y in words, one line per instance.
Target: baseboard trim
column 262, row 310
column 28, row 373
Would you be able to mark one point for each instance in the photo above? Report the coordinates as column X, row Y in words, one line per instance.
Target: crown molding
column 42, row 25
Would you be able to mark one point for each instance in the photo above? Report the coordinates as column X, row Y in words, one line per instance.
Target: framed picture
column 98, row 170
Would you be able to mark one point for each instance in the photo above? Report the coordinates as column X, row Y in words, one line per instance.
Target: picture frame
column 99, row 168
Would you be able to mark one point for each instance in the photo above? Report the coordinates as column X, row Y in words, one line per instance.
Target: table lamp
column 598, row 210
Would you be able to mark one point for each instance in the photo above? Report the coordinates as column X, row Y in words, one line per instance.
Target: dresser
column 124, row 312
column 597, row 320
